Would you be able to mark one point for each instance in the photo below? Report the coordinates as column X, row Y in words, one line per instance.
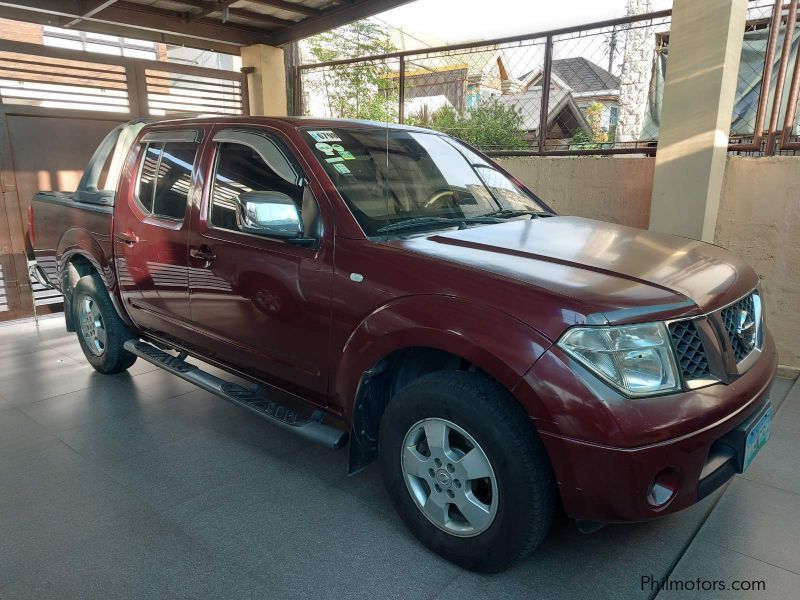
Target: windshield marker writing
column 324, row 136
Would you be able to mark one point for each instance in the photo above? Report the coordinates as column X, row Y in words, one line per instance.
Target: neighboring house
column 564, row 117
column 426, row 87
column 589, row 83
column 464, row 78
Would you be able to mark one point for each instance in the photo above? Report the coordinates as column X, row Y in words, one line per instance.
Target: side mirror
column 272, row 214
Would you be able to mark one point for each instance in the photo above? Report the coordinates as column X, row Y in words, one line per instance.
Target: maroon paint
column 498, row 296
column 275, row 292
column 608, row 482
column 149, row 268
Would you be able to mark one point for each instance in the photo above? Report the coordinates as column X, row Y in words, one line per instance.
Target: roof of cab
column 297, row 122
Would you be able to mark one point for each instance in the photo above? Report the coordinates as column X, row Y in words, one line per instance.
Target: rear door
column 261, row 304
column 151, row 231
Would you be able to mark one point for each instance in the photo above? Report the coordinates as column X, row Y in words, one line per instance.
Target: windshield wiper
column 420, row 222
column 507, row 213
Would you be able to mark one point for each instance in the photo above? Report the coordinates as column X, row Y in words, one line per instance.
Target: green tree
column 596, row 135
column 489, row 125
column 364, row 90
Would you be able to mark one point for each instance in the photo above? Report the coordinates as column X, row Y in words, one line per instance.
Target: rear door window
column 174, row 179
column 147, row 176
column 165, row 178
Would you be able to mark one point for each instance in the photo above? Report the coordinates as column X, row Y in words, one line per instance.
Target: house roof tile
column 582, row 75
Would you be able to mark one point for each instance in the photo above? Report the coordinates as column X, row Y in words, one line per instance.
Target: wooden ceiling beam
column 299, row 9
column 330, row 18
column 89, row 8
column 260, row 17
column 206, row 8
column 220, row 6
column 149, row 23
column 206, row 37
column 149, row 17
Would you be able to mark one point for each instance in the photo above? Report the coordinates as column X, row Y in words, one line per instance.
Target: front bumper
column 611, row 482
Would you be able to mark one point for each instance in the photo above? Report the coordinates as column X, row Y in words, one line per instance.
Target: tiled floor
column 754, row 531
column 139, row 486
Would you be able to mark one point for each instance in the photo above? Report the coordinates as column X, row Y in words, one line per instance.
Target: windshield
column 390, row 176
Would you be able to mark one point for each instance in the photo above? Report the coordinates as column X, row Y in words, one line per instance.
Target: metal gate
column 55, row 107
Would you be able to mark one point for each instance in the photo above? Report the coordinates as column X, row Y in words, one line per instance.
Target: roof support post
column 705, row 48
column 266, row 80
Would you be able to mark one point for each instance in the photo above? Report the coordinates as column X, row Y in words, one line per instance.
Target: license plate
column 757, row 437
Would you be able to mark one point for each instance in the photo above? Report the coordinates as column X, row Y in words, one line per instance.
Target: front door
column 151, row 233
column 260, row 303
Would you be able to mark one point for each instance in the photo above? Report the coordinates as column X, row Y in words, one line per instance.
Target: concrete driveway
column 141, row 486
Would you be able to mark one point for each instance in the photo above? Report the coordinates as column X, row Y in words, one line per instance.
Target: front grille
column 731, row 316
column 689, row 350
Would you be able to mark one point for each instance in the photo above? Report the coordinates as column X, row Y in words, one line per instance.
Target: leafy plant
column 365, row 90
column 368, row 90
column 490, row 125
column 597, row 135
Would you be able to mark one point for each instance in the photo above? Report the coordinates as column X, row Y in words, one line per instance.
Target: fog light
column 663, row 488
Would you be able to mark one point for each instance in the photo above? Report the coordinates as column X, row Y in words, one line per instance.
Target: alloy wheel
column 449, row 477
column 92, row 326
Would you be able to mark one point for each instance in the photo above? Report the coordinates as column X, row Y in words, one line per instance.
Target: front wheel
column 101, row 332
column 466, row 470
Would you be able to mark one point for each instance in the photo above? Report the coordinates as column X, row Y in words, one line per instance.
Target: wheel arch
column 414, row 336
column 78, row 245
column 74, row 266
column 77, row 262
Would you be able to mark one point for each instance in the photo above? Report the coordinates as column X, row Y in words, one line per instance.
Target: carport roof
column 214, row 24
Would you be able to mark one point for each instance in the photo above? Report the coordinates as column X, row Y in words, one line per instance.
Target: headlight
column 636, row 359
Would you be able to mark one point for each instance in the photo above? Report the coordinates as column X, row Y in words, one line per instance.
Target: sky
column 454, row 21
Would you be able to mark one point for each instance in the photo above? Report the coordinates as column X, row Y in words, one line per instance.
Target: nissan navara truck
column 393, row 290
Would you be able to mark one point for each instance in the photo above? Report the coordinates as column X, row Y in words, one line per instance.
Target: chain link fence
column 594, row 89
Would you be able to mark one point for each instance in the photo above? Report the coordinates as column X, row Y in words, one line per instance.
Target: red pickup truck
column 393, row 289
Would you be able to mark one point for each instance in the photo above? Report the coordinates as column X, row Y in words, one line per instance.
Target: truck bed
column 61, row 225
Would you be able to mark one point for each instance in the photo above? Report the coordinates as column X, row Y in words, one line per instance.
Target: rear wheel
column 466, row 470
column 101, row 332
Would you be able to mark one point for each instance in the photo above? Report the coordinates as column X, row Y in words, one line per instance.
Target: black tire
column 112, row 356
column 526, row 491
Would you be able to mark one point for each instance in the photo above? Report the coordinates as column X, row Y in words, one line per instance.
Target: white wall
column 615, row 189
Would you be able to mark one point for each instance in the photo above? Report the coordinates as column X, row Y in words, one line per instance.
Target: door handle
column 203, row 253
column 126, row 237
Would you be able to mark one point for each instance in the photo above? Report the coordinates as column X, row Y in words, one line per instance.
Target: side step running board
column 310, row 428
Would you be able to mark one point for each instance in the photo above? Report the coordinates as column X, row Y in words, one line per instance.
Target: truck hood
column 603, row 272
